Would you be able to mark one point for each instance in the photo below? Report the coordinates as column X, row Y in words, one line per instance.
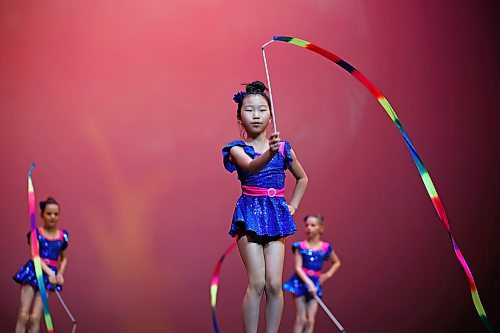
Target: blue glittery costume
column 261, row 215
column 50, row 248
column 312, row 262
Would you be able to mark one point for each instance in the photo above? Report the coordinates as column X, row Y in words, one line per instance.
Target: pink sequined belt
column 311, row 272
column 50, row 262
column 262, row 192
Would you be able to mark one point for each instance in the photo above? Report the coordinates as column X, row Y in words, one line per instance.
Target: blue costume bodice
column 312, row 263
column 272, row 175
column 50, row 250
column 313, row 259
column 262, row 215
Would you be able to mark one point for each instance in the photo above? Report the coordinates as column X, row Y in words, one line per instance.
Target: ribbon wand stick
column 269, row 84
column 330, row 314
column 73, row 320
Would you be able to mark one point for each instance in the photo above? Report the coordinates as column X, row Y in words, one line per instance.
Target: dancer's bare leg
column 252, row 255
column 274, row 254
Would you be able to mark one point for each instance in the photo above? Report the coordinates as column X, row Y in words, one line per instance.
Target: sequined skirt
column 295, row 286
column 27, row 275
column 263, row 215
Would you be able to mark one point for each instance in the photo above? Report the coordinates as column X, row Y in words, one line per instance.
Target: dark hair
column 48, row 201
column 252, row 88
column 320, row 218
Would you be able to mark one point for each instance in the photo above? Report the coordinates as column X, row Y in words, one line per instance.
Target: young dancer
column 310, row 255
column 262, row 217
column 53, row 243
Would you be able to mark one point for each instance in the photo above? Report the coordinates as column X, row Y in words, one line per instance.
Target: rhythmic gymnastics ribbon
column 35, row 253
column 214, row 285
column 424, row 174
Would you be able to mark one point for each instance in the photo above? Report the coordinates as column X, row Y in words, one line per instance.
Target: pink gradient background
column 125, row 105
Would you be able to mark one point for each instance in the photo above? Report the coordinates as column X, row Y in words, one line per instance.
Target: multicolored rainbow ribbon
column 424, row 174
column 35, row 253
column 214, row 284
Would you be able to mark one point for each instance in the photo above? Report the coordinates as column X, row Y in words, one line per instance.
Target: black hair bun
column 48, row 201
column 256, row 87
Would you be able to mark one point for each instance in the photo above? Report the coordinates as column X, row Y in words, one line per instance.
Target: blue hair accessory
column 238, row 97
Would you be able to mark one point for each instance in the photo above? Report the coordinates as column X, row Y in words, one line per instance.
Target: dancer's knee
column 274, row 287
column 301, row 320
column 309, row 322
column 23, row 317
column 34, row 320
column 256, row 287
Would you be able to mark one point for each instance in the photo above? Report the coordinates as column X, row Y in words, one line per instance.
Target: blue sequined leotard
column 261, row 215
column 312, row 262
column 50, row 248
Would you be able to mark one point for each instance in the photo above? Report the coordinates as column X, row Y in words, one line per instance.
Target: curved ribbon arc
column 424, row 174
column 214, row 285
column 35, row 253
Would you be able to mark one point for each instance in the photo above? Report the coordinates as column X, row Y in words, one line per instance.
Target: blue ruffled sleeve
column 328, row 252
column 65, row 240
column 288, row 155
column 226, row 157
column 295, row 246
column 28, row 236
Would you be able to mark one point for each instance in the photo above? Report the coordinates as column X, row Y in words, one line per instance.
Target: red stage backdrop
column 125, row 106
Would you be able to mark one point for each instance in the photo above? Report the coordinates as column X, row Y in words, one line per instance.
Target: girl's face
column 313, row 227
column 50, row 215
column 255, row 114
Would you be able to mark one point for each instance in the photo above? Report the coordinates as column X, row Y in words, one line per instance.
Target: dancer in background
column 310, row 254
column 262, row 217
column 53, row 243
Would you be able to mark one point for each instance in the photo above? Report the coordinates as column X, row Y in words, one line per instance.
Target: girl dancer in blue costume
column 307, row 280
column 262, row 218
column 53, row 243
